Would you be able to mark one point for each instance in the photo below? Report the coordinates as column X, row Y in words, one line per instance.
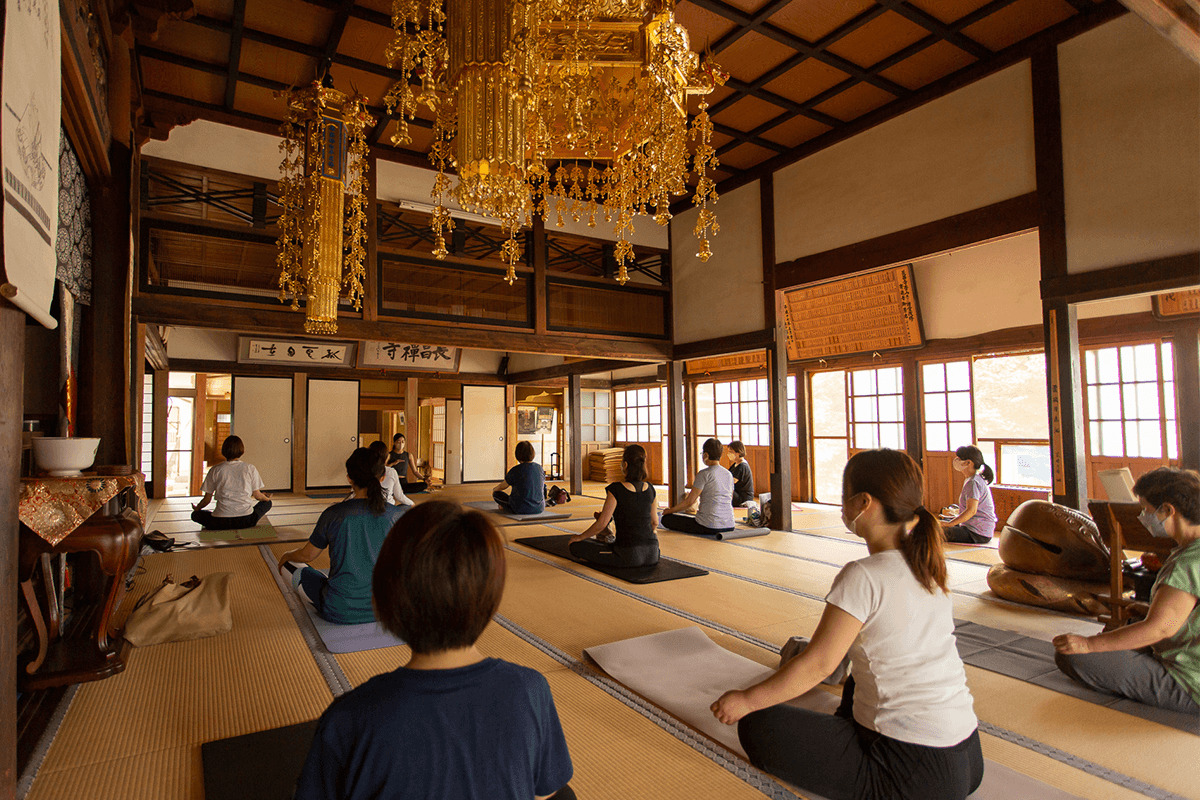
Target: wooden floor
column 138, row 735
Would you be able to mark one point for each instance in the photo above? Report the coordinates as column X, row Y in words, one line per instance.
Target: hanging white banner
column 29, row 128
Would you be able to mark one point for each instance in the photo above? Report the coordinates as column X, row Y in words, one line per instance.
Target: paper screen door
column 332, row 430
column 483, row 430
column 262, row 417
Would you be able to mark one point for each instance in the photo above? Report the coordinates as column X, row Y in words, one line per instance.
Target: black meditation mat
column 664, row 570
column 263, row 765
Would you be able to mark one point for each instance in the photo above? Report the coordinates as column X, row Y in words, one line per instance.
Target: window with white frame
column 742, row 410
column 595, row 413
column 638, row 415
column 949, row 409
column 1130, row 401
column 876, row 406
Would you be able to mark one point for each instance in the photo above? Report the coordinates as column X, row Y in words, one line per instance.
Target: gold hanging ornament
column 584, row 101
column 323, row 202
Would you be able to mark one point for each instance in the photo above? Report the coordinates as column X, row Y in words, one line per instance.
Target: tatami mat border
column 25, row 781
column 701, row 744
column 338, row 683
column 1070, row 759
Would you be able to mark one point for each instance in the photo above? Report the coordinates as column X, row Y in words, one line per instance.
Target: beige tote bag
column 175, row 612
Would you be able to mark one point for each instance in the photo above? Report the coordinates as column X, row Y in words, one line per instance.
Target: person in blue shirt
column 528, row 483
column 449, row 723
column 354, row 531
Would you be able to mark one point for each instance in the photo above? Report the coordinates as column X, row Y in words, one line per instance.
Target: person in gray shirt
column 714, row 486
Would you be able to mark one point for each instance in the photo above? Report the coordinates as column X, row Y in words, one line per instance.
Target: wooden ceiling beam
column 212, row 69
column 741, row 137
column 950, row 33
column 334, row 39
column 235, row 51
column 1177, row 20
column 760, row 16
column 587, row 367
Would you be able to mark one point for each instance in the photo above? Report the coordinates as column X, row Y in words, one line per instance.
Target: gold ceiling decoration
column 581, row 100
column 323, row 202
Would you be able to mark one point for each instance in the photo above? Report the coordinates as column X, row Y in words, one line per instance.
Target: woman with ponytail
column 353, row 530
column 976, row 520
column 633, row 505
column 906, row 726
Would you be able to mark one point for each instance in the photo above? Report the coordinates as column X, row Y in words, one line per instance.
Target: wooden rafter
column 235, row 51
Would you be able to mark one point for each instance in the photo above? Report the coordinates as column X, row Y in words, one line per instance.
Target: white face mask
column 1152, row 523
column 852, row 524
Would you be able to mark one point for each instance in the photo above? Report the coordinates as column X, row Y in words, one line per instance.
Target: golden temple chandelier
column 323, row 202
column 582, row 100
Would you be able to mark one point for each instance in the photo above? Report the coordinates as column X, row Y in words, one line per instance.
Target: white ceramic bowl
column 63, row 455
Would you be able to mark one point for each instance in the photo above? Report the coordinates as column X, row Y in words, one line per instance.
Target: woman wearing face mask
column 906, row 727
column 976, row 520
column 1155, row 661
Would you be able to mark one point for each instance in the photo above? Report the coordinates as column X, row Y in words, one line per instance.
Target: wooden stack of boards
column 605, row 465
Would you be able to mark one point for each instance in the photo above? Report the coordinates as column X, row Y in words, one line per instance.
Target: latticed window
column 876, row 405
column 639, row 415
column 949, row 411
column 1131, row 401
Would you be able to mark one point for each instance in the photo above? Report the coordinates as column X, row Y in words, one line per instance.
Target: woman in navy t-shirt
column 449, row 723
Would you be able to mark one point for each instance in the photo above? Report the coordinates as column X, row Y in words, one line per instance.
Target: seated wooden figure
column 449, row 723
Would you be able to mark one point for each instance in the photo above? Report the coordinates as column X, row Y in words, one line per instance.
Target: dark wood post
column 538, row 244
column 158, row 446
column 676, row 462
column 300, row 432
column 12, row 375
column 781, row 454
column 412, row 415
column 914, row 436
column 803, row 477
column 575, row 437
column 1185, row 346
column 1064, row 397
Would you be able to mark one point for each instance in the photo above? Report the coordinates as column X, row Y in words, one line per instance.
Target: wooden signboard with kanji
column 1177, row 304
column 860, row 314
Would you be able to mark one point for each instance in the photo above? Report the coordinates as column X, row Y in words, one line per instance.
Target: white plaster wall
column 522, row 362
column 963, row 151
column 202, row 343
column 725, row 295
column 479, row 361
column 1131, row 146
column 979, row 289
column 217, row 146
column 1115, row 307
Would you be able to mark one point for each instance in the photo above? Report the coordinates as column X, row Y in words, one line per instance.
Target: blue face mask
column 1153, row 524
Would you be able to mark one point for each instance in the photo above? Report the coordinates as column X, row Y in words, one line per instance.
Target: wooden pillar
column 199, row 403
column 137, row 390
column 803, row 476
column 510, row 429
column 575, row 439
column 300, row 432
column 104, row 344
column 1060, row 325
column 914, row 436
column 371, row 285
column 1186, row 352
column 538, row 245
column 158, row 447
column 676, row 463
column 412, row 415
column 781, row 455
column 12, row 374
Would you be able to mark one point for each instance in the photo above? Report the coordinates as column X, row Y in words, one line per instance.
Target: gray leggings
column 1135, row 674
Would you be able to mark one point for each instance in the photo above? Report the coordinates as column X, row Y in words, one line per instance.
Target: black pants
column 964, row 535
column 207, row 520
column 686, row 523
column 565, row 793
column 606, row 555
column 413, row 486
column 837, row 758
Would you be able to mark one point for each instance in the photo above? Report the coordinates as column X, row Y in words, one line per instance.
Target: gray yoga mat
column 1032, row 660
column 683, row 672
column 544, row 516
column 350, row 638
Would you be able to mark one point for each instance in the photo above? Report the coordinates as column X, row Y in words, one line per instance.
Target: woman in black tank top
column 635, row 512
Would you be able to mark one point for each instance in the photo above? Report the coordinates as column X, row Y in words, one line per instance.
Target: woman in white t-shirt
column 236, row 485
column 906, row 728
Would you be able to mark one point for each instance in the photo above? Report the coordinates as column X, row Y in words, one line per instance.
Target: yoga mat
column 327, row 495
column 349, row 638
column 263, row 765
column 263, row 530
column 736, row 533
column 542, row 516
column 664, row 570
column 683, row 672
column 1032, row 660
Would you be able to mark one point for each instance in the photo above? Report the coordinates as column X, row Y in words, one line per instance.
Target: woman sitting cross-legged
column 633, row 506
column 354, row 531
column 392, row 493
column 236, row 485
column 713, row 487
column 906, row 727
column 1155, row 661
column 449, row 723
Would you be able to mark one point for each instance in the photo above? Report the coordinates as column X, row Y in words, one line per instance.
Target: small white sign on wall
column 405, row 356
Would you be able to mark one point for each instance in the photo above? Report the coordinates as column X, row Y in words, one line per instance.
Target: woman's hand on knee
column 731, row 706
column 1070, row 644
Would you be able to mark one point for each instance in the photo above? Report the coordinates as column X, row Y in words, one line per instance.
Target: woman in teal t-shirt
column 1167, row 674
column 353, row 530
